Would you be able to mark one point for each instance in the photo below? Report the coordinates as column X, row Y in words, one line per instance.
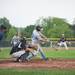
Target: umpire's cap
column 38, row 27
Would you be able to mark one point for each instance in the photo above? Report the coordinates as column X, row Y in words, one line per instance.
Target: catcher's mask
column 23, row 40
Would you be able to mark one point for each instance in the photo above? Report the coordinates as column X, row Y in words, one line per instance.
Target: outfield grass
column 69, row 54
column 36, row 72
column 63, row 54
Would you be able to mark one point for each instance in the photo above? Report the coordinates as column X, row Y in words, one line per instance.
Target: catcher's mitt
column 34, row 47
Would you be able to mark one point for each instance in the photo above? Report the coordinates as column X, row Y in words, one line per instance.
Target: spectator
column 2, row 32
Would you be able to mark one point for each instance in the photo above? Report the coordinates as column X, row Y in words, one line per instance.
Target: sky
column 21, row 13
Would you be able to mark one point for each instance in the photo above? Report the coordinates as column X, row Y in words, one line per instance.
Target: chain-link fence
column 7, row 43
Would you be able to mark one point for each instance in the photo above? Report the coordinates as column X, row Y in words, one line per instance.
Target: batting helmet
column 38, row 28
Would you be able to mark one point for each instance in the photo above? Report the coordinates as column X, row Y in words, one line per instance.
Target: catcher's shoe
column 27, row 59
column 18, row 60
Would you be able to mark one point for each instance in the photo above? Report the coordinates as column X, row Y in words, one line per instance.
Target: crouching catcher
column 23, row 50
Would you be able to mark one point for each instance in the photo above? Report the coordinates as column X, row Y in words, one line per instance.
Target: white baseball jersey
column 36, row 37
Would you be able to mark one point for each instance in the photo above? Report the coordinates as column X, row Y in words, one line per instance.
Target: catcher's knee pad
column 24, row 56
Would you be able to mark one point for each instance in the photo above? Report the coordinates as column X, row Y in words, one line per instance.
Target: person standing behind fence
column 37, row 38
column 2, row 31
column 15, row 40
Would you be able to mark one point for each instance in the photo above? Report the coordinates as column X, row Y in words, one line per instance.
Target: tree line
column 53, row 27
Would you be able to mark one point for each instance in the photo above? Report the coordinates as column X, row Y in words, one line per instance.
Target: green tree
column 4, row 21
column 27, row 32
column 11, row 33
column 54, row 27
column 73, row 29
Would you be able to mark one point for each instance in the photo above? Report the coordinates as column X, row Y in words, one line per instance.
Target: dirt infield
column 38, row 63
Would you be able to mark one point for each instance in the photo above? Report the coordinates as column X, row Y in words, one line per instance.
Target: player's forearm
column 43, row 40
column 29, row 49
column 43, row 36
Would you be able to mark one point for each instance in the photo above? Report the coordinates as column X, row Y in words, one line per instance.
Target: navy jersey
column 1, row 35
column 62, row 39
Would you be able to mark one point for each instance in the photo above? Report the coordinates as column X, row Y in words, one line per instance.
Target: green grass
column 69, row 54
column 36, row 72
column 5, row 53
column 66, row 54
column 63, row 54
